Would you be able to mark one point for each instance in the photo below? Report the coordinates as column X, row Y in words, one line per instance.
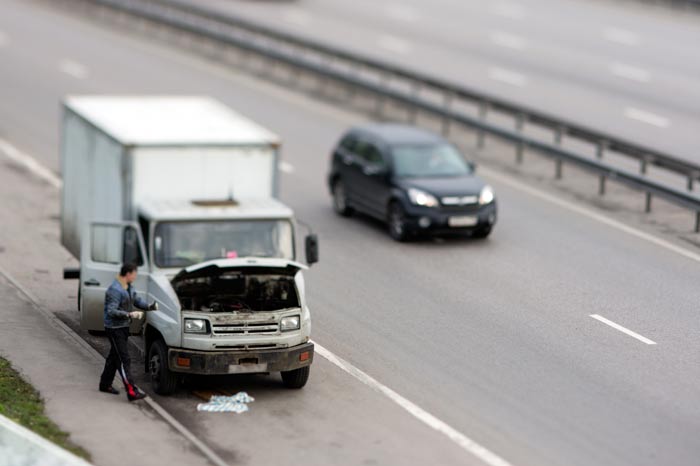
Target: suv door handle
column 91, row 282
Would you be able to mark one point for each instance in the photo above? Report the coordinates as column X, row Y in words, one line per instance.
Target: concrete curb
column 20, row 446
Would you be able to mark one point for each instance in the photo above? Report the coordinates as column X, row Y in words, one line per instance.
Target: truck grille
column 248, row 328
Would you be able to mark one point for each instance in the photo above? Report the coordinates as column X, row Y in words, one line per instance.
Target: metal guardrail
column 350, row 70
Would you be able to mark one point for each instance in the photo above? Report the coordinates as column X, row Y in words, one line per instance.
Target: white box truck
column 186, row 188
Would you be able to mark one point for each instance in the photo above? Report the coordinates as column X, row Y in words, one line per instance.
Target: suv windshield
column 428, row 160
column 181, row 244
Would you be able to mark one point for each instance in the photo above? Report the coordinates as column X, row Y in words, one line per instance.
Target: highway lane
column 495, row 337
column 615, row 66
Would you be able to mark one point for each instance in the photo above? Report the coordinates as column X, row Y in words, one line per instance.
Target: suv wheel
column 482, row 232
column 340, row 199
column 397, row 222
column 163, row 381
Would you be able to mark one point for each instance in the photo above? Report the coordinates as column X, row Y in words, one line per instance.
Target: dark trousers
column 118, row 359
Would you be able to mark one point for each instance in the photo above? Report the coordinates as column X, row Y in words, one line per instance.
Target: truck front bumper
column 240, row 362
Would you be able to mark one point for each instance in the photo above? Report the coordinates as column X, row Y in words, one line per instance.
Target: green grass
column 21, row 403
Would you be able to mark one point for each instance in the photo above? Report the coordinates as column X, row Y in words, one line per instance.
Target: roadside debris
column 237, row 403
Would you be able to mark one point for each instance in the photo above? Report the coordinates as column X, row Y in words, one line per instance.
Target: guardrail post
column 691, row 180
column 643, row 165
column 414, row 110
column 446, row 118
column 647, row 202
column 519, row 125
column 600, row 149
column 601, row 185
column 558, row 135
column 481, row 135
column 697, row 222
column 379, row 105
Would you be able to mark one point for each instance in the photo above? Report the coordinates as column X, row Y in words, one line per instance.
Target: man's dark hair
column 127, row 268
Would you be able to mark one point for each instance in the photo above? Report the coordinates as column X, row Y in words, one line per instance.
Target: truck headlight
column 289, row 323
column 487, row 195
column 196, row 326
column 422, row 198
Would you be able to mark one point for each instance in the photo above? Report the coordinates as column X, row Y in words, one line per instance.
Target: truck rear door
column 105, row 247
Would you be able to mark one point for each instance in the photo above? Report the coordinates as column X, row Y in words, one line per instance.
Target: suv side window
column 349, row 143
column 369, row 154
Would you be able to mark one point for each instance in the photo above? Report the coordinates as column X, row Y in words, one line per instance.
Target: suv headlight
column 487, row 195
column 196, row 326
column 422, row 198
column 290, row 323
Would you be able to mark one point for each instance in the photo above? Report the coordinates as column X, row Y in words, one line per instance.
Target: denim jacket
column 119, row 303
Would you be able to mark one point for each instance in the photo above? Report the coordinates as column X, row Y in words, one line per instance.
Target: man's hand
column 153, row 306
column 136, row 315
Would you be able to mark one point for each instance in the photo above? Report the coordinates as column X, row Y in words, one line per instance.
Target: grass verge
column 20, row 402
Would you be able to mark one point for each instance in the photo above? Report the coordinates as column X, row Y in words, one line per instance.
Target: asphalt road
column 617, row 66
column 494, row 338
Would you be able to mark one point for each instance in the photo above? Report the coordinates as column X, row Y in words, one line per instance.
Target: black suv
column 413, row 179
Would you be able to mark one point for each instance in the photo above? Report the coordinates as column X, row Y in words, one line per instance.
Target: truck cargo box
column 120, row 151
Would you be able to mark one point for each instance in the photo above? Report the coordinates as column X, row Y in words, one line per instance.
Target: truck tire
column 163, row 381
column 296, row 378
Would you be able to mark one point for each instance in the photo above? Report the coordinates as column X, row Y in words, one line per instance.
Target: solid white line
column 286, row 167
column 296, row 17
column 512, row 182
column 622, row 36
column 647, row 117
column 403, row 13
column 623, row 329
column 508, row 40
column 630, row 72
column 394, row 44
column 416, row 411
column 507, row 76
column 73, row 69
column 508, row 10
column 30, row 164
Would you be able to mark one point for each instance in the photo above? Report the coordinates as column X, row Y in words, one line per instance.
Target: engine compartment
column 237, row 291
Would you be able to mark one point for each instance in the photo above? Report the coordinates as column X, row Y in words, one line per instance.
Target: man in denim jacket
column 120, row 301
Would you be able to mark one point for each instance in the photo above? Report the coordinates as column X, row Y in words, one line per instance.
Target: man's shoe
column 109, row 389
column 134, row 393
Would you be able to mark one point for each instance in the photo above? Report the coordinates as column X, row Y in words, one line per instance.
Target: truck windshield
column 181, row 244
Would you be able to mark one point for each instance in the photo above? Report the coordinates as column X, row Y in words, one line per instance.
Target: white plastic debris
column 237, row 403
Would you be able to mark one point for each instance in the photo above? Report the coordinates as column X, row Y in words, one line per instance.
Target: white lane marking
column 622, row 36
column 513, row 183
column 623, row 329
column 286, row 167
column 296, row 17
column 647, row 117
column 507, row 76
column 30, row 164
column 73, row 69
column 416, row 411
column 403, row 13
column 508, row 40
column 394, row 44
column 508, row 10
column 3, row 39
column 630, row 72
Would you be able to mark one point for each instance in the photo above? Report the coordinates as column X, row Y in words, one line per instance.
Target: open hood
column 253, row 265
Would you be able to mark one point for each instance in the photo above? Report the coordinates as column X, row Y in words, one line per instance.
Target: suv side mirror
column 311, row 249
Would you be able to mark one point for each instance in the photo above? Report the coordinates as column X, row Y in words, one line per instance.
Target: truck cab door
column 105, row 247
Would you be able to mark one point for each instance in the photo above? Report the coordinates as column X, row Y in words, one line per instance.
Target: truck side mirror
column 311, row 249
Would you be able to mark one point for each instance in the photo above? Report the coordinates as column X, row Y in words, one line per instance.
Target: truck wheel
column 340, row 199
column 163, row 381
column 296, row 378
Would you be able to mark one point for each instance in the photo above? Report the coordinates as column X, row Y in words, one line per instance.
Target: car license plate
column 463, row 221
column 247, row 368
